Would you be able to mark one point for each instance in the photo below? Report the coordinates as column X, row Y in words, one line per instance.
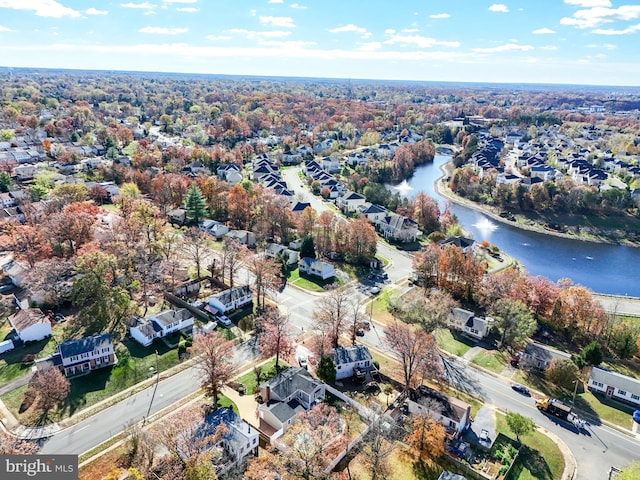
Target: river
column 603, row 268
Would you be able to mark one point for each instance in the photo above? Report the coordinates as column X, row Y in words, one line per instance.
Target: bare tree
column 265, row 276
column 51, row 388
column 274, row 338
column 332, row 312
column 195, row 246
column 379, row 444
column 216, row 361
column 233, row 254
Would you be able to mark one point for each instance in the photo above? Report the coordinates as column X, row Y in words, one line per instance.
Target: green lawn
column 11, row 366
column 540, row 458
column 309, row 283
column 268, row 372
column 455, row 345
column 493, row 360
column 605, row 408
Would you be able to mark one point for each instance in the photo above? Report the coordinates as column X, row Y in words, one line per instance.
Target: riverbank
column 443, row 189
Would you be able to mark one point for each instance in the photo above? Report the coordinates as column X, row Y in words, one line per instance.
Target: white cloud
column 348, row 28
column 179, row 1
column 369, row 46
column 286, row 22
column 499, row 7
column 288, row 45
column 42, row 8
column 410, row 30
column 626, row 31
column 253, row 12
column 276, row 1
column 440, row 15
column 298, row 6
column 543, row 31
column 389, row 31
column 145, row 5
column 508, row 47
column 95, row 11
column 253, row 35
column 419, row 41
column 187, row 9
column 593, row 17
column 216, row 38
column 589, row 3
column 606, row 46
column 163, row 30
column 5, row 29
column 548, row 47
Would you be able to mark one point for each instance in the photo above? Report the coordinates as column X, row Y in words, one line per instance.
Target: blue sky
column 532, row 41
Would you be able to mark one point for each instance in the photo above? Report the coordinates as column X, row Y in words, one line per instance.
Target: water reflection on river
column 603, row 268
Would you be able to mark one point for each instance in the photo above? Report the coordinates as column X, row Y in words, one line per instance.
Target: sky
column 589, row 42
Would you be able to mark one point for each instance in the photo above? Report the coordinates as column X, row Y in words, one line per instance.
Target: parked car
column 373, row 387
column 223, row 320
column 303, row 362
column 359, row 332
column 374, row 290
column 59, row 318
column 520, row 389
column 636, row 415
column 7, row 288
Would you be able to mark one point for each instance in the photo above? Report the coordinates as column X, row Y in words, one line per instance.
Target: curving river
column 603, row 268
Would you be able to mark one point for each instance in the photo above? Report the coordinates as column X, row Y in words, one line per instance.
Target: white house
column 615, row 385
column 537, row 355
column 160, row 325
column 285, row 396
column 352, row 361
column 453, row 414
column 467, row 322
column 467, row 245
column 350, row 201
column 330, row 164
column 214, row 228
column 275, row 250
column 245, row 237
column 230, row 299
column 239, row 441
column 86, row 354
column 31, row 324
column 399, row 228
column 317, row 268
column 374, row 213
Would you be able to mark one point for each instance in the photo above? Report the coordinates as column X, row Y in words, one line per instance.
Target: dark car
column 520, row 389
column 636, row 416
column 7, row 288
column 360, row 332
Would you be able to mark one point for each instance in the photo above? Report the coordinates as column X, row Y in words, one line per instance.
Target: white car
column 223, row 320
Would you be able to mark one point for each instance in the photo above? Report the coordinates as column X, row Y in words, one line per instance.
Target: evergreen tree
column 307, row 248
column 195, row 204
column 326, row 370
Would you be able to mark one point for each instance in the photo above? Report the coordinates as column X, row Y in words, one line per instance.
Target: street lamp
column 154, row 388
column 575, row 391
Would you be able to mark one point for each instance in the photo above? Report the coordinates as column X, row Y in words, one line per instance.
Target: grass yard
column 540, row 458
column 606, row 408
column 268, row 372
column 309, row 283
column 455, row 345
column 378, row 308
column 493, row 360
column 11, row 366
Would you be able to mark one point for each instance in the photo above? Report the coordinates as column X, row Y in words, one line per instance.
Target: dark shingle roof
column 356, row 353
column 84, row 345
column 170, row 316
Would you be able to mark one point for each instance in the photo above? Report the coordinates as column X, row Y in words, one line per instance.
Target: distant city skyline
column 588, row 42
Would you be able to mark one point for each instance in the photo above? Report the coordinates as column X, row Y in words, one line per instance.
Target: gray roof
column 544, row 352
column 616, row 380
column 356, row 353
column 226, row 297
column 460, row 315
column 168, row 317
column 291, row 380
column 79, row 346
column 284, row 411
column 447, row 406
column 451, row 476
column 461, row 242
column 147, row 327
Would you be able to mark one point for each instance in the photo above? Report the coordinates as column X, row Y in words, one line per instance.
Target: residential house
column 352, row 361
column 355, row 159
column 330, row 164
column 451, row 476
column 238, row 442
column 399, row 228
column 453, row 414
column 230, row 299
column 245, row 237
column 177, row 216
column 224, row 170
column 285, row 396
column 316, row 268
column 31, row 324
column 614, row 385
column 24, row 172
column 374, row 213
column 299, row 207
column 350, row 201
column 467, row 322
column 145, row 331
column 467, row 245
column 537, row 355
column 85, row 354
column 275, row 250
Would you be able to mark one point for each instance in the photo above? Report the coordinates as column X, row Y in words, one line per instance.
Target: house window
column 339, row 367
column 622, row 393
column 635, row 397
column 255, row 440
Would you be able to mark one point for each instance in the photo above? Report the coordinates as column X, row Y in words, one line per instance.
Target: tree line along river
column 604, row 268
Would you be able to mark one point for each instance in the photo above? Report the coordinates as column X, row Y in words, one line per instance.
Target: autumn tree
column 514, row 321
column 314, row 440
column 12, row 445
column 379, row 444
column 459, row 272
column 361, row 241
column 415, row 349
column 306, row 221
column 195, row 246
column 274, row 338
column 577, row 312
column 29, row 243
column 239, row 206
column 519, row 424
column 266, row 276
column 50, row 387
column 426, row 438
column 323, row 233
column 562, row 373
column 216, row 363
column 233, row 255
column 332, row 313
column 426, row 212
column 264, row 467
column 426, row 265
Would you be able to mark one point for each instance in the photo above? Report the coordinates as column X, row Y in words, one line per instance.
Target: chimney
column 267, row 393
